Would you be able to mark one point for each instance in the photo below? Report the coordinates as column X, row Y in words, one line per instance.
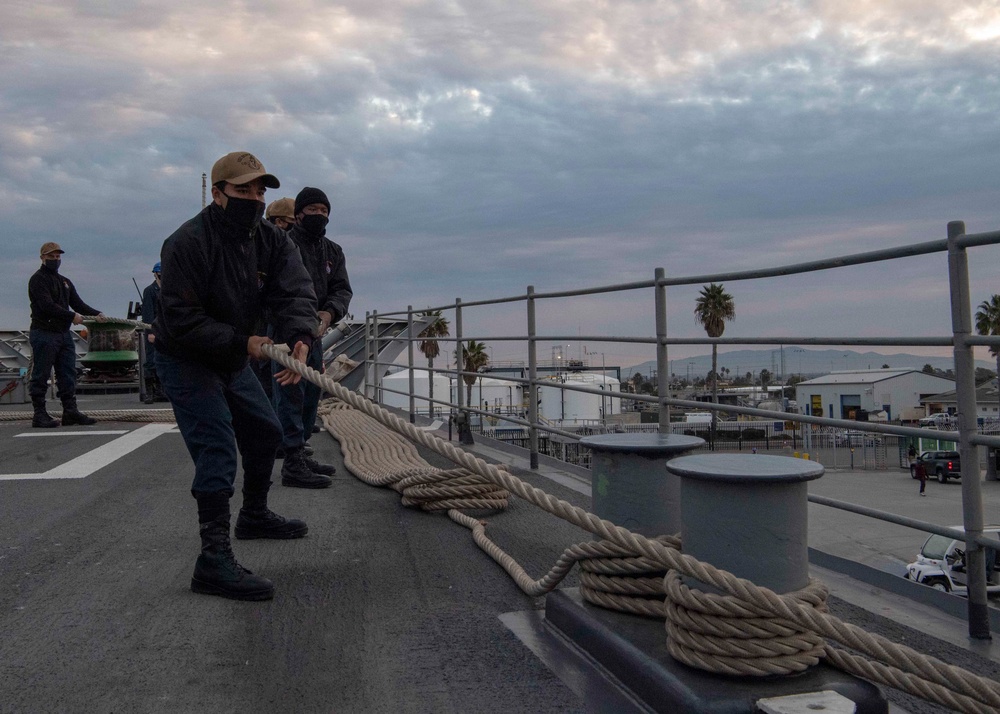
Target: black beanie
column 309, row 196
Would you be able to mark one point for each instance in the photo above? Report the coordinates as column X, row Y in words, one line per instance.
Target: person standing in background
column 296, row 404
column 150, row 299
column 55, row 307
column 281, row 213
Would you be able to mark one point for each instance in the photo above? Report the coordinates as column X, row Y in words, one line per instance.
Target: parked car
column 938, row 420
column 940, row 564
column 941, row 465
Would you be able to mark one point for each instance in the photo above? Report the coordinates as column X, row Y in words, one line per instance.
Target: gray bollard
column 631, row 486
column 747, row 514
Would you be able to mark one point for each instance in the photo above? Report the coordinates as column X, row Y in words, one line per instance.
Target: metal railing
column 961, row 340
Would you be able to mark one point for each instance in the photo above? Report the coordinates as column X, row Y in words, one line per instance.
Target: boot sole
column 299, row 484
column 270, row 535
column 208, row 589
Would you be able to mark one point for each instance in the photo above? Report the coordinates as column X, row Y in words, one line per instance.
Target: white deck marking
column 63, row 432
column 86, row 464
column 434, row 426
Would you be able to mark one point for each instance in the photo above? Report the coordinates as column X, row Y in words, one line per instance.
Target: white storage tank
column 494, row 395
column 400, row 382
column 563, row 406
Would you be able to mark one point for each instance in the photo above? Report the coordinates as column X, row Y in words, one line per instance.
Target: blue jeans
column 52, row 349
column 296, row 404
column 218, row 412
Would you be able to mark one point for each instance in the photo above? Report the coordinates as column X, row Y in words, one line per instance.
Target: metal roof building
column 848, row 394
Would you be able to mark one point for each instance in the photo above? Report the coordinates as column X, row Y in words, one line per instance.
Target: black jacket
column 51, row 296
column 324, row 260
column 150, row 299
column 216, row 282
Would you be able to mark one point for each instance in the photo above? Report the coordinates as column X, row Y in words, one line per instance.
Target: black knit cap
column 309, row 196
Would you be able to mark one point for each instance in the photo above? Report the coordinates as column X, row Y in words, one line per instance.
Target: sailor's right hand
column 254, row 344
column 77, row 318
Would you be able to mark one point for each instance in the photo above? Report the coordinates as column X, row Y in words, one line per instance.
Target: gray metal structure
column 631, row 484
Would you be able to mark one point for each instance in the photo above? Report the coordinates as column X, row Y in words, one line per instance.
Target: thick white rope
column 897, row 665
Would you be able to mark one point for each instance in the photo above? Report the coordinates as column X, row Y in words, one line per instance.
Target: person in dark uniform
column 220, row 271
column 296, row 404
column 150, row 299
column 55, row 307
column 281, row 214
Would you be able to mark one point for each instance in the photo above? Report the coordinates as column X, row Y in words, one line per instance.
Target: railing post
column 965, row 392
column 532, row 386
column 464, row 417
column 367, row 391
column 459, row 353
column 409, row 359
column 662, row 363
column 376, row 370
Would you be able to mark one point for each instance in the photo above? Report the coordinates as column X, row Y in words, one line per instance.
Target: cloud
column 474, row 148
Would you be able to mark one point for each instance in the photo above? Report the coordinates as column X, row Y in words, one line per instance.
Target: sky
column 470, row 149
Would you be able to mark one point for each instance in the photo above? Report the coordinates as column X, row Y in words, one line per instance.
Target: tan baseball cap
column 50, row 248
column 282, row 208
column 241, row 167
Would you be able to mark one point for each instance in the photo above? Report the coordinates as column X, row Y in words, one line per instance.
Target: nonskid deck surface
column 379, row 608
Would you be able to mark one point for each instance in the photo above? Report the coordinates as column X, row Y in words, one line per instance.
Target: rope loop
column 727, row 635
column 442, row 490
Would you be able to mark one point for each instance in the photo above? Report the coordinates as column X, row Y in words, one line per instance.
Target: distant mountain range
column 797, row 360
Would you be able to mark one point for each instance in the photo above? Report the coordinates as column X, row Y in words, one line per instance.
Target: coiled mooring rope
column 797, row 614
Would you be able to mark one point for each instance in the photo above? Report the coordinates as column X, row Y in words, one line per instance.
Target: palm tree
column 988, row 323
column 476, row 359
column 432, row 348
column 713, row 308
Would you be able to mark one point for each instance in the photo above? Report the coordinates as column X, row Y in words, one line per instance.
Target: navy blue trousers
column 52, row 349
column 219, row 413
column 296, row 404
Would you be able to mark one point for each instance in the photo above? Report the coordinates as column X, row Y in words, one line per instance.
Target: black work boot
column 295, row 472
column 41, row 419
column 71, row 415
column 217, row 573
column 319, row 467
column 256, row 520
column 150, row 397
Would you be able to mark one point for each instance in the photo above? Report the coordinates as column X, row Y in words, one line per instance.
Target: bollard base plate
column 630, row 652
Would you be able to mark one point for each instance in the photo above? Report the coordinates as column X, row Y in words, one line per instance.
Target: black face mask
column 53, row 264
column 243, row 212
column 314, row 223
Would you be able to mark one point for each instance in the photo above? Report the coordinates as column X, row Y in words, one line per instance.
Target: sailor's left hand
column 287, row 376
column 100, row 317
column 325, row 318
